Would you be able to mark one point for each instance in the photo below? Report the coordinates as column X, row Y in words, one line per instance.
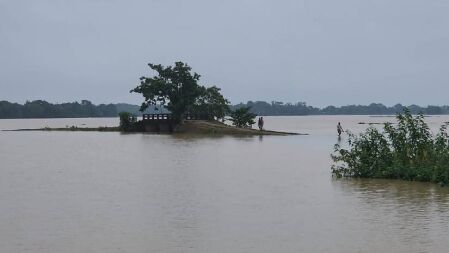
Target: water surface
column 112, row 192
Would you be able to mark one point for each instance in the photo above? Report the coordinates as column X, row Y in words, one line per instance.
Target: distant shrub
column 406, row 151
column 127, row 121
column 242, row 117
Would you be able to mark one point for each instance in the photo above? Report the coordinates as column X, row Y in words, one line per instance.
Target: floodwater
column 110, row 192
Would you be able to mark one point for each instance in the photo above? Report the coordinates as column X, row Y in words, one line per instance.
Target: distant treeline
column 301, row 108
column 84, row 109
column 43, row 109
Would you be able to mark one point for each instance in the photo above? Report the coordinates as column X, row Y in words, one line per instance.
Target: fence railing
column 160, row 116
column 167, row 116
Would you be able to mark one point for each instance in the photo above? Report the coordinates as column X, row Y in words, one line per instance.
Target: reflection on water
column 413, row 213
column 111, row 192
column 417, row 194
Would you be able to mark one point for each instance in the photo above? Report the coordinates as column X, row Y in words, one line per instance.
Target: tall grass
column 407, row 150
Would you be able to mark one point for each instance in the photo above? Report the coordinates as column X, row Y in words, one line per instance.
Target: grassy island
column 407, row 150
column 206, row 127
column 177, row 89
column 193, row 108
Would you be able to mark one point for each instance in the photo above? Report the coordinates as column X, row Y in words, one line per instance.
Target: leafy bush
column 127, row 121
column 406, row 151
column 242, row 117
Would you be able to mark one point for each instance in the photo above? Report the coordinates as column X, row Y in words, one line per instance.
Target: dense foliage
column 211, row 102
column 43, row 109
column 177, row 89
column 127, row 121
column 407, row 151
column 301, row 108
column 242, row 117
column 135, row 109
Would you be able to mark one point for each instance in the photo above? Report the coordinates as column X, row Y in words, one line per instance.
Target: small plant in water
column 406, row 151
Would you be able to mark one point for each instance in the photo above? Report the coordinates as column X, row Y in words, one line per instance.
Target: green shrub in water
column 127, row 121
column 406, row 151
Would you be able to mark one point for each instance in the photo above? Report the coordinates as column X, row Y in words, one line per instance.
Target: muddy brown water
column 112, row 192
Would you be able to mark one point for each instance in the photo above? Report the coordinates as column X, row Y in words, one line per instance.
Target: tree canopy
column 178, row 90
column 211, row 102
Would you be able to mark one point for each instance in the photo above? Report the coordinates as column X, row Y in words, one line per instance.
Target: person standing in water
column 260, row 123
column 339, row 129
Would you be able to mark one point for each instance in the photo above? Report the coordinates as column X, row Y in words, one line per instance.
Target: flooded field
column 112, row 192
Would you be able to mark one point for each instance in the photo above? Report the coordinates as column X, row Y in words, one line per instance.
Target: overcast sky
column 318, row 51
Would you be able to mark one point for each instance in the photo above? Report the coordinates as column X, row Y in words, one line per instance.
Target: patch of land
column 194, row 127
column 215, row 127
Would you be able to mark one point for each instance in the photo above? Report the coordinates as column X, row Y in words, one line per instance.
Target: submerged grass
column 407, row 150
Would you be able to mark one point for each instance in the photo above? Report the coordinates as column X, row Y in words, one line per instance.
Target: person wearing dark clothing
column 260, row 123
column 339, row 129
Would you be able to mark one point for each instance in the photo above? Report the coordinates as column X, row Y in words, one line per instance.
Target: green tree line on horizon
column 276, row 108
column 43, row 109
column 83, row 109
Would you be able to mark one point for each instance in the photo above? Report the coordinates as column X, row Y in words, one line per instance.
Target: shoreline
column 190, row 127
column 66, row 129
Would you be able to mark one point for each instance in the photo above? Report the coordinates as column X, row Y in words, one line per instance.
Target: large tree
column 178, row 90
column 212, row 103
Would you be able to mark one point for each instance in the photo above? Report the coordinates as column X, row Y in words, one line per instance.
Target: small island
column 193, row 108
